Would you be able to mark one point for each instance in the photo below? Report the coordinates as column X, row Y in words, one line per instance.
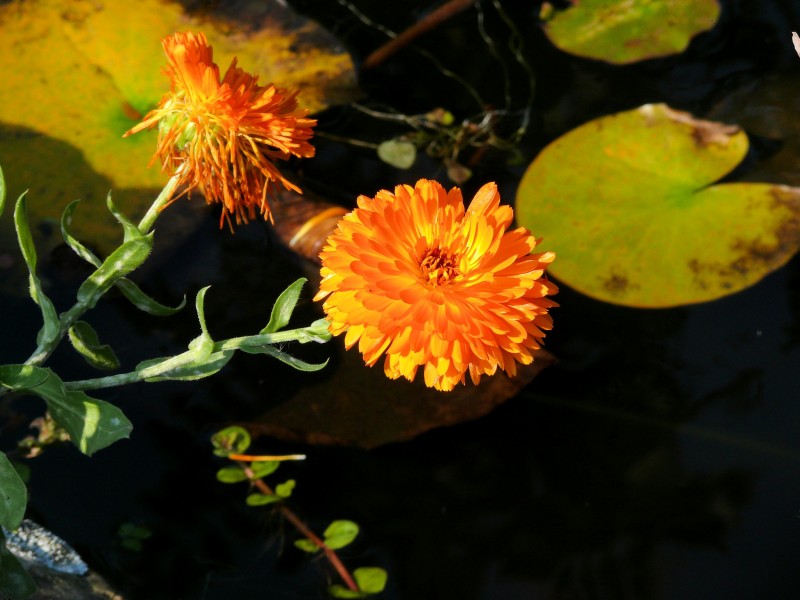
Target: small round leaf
column 340, row 533
column 397, row 153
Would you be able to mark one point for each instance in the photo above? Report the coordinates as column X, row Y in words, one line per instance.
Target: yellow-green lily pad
column 627, row 204
column 626, row 31
column 78, row 74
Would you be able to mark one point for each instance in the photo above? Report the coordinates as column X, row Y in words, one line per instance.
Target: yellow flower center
column 438, row 268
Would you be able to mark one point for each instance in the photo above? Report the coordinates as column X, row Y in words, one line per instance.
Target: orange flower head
column 225, row 135
column 414, row 275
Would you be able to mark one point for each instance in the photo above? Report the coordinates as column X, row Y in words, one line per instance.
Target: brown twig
column 431, row 20
column 289, row 515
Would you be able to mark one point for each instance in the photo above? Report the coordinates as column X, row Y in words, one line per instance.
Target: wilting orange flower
column 414, row 275
column 226, row 133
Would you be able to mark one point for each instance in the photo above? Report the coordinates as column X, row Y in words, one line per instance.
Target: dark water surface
column 659, row 459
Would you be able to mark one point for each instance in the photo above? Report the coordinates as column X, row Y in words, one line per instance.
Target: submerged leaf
column 626, row 204
column 626, row 31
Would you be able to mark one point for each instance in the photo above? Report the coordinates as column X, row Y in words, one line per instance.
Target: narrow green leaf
column 92, row 424
column 203, row 344
column 84, row 339
column 72, row 242
column 119, row 263
column 129, row 289
column 284, row 306
column 191, row 371
column 2, row 191
column 231, row 440
column 15, row 583
column 231, row 475
column 261, row 499
column 298, row 364
column 144, row 302
column 131, row 230
column 307, row 546
column 262, row 469
column 284, row 490
column 340, row 534
column 13, row 495
column 24, row 233
column 50, row 326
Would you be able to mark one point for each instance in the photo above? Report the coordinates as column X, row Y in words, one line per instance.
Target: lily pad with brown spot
column 626, row 31
column 627, row 204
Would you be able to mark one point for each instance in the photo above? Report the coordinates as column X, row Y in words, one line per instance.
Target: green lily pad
column 627, row 205
column 626, row 31
column 77, row 75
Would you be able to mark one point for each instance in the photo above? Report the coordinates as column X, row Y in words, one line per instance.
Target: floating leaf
column 397, row 153
column 626, row 203
column 359, row 405
column 69, row 145
column 626, row 31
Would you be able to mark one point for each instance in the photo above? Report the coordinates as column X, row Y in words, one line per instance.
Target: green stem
column 186, row 358
column 161, row 201
column 68, row 319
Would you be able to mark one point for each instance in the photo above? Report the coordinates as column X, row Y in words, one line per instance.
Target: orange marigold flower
column 414, row 275
column 225, row 133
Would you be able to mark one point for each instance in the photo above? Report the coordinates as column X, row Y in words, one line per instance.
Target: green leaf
column 261, row 499
column 298, row 364
column 284, row 306
column 84, row 339
column 340, row 534
column 13, row 495
column 191, row 370
column 15, row 583
column 202, row 344
column 119, row 263
column 91, row 424
column 643, row 225
column 2, row 191
column 397, row 153
column 17, row 377
column 131, row 230
column 144, row 302
column 307, row 546
column 50, row 326
column 72, row 242
column 370, row 581
column 262, row 469
column 231, row 475
column 626, row 31
column 284, row 490
column 129, row 289
column 231, row 440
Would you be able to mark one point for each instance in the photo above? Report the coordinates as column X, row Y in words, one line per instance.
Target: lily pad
column 626, row 31
column 360, row 406
column 626, row 203
column 77, row 75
